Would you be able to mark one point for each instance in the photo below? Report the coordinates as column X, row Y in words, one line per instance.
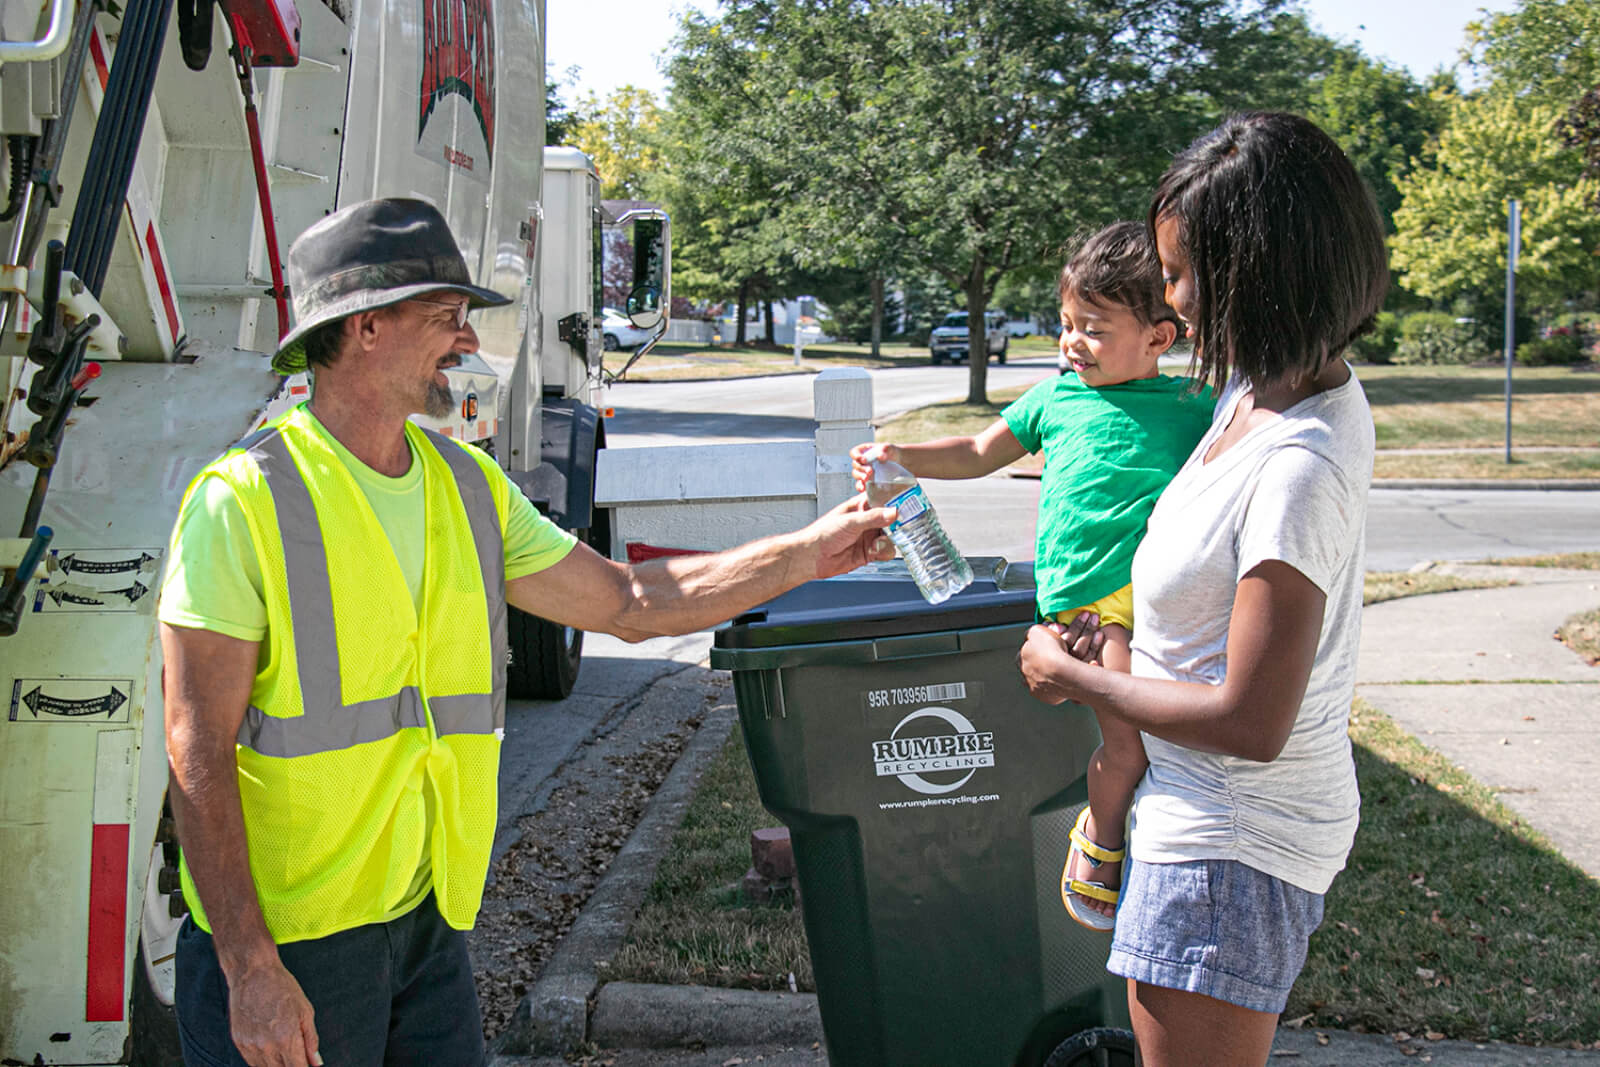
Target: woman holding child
column 1246, row 595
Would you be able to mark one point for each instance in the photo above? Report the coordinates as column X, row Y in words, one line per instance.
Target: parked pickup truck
column 949, row 338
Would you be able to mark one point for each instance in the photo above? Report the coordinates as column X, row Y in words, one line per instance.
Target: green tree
column 560, row 120
column 1451, row 225
column 622, row 135
column 1580, row 128
column 1382, row 118
column 969, row 137
column 1547, row 51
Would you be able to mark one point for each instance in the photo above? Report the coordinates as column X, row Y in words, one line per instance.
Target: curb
column 1528, row 484
column 1538, row 484
column 635, row 1015
column 554, row 1015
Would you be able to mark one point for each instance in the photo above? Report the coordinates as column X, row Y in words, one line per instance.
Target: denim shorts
column 1215, row 927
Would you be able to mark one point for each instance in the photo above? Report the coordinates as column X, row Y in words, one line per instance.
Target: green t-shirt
column 1108, row 454
column 213, row 579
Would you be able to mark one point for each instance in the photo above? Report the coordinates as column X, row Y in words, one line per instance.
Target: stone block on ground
column 771, row 852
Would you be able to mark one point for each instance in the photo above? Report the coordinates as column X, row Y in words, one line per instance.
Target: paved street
column 995, row 515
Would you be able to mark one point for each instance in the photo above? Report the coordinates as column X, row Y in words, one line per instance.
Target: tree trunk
column 877, row 314
column 977, row 336
column 772, row 338
column 744, row 305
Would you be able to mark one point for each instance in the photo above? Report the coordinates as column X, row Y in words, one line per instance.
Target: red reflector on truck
column 639, row 552
column 108, row 923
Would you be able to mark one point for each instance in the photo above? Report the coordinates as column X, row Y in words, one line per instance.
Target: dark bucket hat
column 368, row 256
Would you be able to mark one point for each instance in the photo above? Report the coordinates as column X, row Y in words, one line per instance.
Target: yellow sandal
column 1073, row 888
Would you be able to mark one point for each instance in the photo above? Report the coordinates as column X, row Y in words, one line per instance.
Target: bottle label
column 910, row 504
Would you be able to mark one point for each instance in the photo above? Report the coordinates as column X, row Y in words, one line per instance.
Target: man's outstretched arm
column 688, row 593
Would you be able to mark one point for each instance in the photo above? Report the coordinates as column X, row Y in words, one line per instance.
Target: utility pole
column 1514, row 234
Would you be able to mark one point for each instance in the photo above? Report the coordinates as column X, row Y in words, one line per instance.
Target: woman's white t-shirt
column 1295, row 490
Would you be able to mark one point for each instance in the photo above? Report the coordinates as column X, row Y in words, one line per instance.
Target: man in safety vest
column 334, row 626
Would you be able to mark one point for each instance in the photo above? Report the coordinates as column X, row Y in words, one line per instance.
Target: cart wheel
column 1100, row 1047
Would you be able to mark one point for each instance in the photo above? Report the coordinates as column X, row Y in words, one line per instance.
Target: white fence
column 700, row 332
column 691, row 331
column 709, row 497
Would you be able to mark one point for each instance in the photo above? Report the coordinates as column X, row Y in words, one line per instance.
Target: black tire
column 610, row 343
column 1099, row 1047
column 152, row 1025
column 935, row 358
column 544, row 657
column 1000, row 356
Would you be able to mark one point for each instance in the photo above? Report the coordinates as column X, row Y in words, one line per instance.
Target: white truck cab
column 950, row 339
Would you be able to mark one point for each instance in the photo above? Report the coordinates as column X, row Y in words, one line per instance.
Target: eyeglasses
column 460, row 309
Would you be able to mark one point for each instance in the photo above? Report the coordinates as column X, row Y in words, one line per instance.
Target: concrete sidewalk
column 1474, row 674
column 1478, row 676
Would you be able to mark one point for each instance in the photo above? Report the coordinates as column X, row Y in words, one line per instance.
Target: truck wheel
column 1099, row 1047
column 1000, row 356
column 544, row 658
column 152, row 1025
column 935, row 358
column 152, row 1022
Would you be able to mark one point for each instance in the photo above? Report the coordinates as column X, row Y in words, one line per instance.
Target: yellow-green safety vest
column 362, row 700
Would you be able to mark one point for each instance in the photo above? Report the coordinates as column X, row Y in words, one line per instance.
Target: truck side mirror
column 644, row 307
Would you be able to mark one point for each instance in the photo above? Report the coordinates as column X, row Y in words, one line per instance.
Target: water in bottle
column 938, row 569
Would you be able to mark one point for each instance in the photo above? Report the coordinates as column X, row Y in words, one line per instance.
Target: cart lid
column 881, row 600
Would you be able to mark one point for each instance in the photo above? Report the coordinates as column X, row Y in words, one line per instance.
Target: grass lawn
column 1581, row 633
column 676, row 361
column 1581, row 561
column 1392, row 585
column 1412, row 408
column 694, row 927
column 1453, row 918
column 1464, row 407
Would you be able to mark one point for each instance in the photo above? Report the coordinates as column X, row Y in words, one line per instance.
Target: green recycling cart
column 929, row 797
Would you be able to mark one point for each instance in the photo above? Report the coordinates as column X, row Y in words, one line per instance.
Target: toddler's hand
column 861, row 458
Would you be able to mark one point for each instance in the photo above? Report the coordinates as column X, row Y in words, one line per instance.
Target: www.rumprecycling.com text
column 928, row 802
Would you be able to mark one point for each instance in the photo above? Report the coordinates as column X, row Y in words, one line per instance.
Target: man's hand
column 271, row 1018
column 851, row 535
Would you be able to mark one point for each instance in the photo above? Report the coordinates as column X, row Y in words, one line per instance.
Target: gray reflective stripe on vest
column 327, row 723
column 354, row 724
column 305, row 564
column 484, row 519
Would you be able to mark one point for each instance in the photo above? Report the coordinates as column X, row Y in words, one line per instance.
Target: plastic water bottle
column 938, row 569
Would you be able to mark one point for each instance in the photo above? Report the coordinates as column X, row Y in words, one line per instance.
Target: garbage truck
column 157, row 165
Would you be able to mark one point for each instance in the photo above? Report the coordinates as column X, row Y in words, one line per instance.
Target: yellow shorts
column 1117, row 608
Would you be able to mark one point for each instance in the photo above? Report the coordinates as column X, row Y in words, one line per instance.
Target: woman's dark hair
column 322, row 343
column 1284, row 243
column 1118, row 266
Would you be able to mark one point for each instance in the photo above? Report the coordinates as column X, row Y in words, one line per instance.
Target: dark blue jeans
column 385, row 995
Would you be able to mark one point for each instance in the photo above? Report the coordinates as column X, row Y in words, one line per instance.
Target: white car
column 617, row 332
column 949, row 338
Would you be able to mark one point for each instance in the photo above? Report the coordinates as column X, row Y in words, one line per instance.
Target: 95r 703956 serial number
column 915, row 694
